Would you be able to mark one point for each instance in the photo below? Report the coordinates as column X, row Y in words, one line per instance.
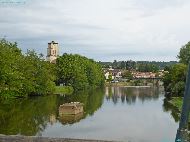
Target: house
column 115, row 73
column 143, row 75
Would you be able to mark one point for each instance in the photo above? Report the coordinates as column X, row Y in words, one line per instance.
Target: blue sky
column 100, row 29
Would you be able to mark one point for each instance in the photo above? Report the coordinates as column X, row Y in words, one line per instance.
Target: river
column 134, row 114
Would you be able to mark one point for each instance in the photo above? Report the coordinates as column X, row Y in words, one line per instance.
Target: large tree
column 23, row 75
column 78, row 71
column 184, row 54
column 174, row 79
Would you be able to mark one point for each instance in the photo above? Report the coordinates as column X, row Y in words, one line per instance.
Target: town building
column 115, row 73
column 52, row 52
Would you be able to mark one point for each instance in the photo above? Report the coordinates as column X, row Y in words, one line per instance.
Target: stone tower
column 52, row 52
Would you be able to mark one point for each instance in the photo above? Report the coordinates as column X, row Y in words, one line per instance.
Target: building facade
column 52, row 52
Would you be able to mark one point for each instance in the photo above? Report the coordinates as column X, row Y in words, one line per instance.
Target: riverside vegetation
column 174, row 79
column 28, row 74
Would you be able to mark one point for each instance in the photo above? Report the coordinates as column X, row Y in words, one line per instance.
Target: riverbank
column 63, row 90
column 14, row 138
column 131, row 83
column 118, row 84
column 177, row 102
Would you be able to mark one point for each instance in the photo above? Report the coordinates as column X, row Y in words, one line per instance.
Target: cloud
column 100, row 29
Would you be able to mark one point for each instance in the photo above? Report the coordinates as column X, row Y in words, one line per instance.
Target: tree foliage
column 23, row 75
column 127, row 74
column 78, row 72
column 174, row 80
column 144, row 66
column 184, row 54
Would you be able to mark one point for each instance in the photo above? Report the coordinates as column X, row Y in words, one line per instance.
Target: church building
column 52, row 52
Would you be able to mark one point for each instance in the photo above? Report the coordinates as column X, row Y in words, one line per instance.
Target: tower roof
column 53, row 42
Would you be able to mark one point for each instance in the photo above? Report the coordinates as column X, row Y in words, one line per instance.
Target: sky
column 103, row 30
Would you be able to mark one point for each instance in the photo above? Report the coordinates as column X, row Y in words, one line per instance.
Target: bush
column 178, row 89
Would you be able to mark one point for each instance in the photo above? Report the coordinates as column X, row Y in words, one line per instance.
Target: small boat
column 72, row 108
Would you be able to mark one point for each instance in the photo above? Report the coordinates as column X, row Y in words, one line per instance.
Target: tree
column 184, row 54
column 123, row 65
column 23, row 75
column 10, row 73
column 147, row 67
column 39, row 74
column 174, row 80
column 109, row 78
column 78, row 72
column 127, row 75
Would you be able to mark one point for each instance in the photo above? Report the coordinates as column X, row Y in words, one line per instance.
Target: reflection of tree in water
column 130, row 94
column 123, row 98
column 167, row 107
column 26, row 116
column 92, row 100
column 175, row 113
column 31, row 116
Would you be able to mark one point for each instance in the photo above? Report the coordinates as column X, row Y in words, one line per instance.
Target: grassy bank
column 117, row 84
column 176, row 102
column 63, row 90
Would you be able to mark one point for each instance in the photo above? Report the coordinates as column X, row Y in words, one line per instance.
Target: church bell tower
column 52, row 52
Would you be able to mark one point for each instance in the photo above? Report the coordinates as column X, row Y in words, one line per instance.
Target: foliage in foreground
column 79, row 72
column 31, row 116
column 23, row 75
column 177, row 102
column 174, row 79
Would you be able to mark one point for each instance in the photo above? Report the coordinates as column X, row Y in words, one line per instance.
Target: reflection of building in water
column 107, row 91
column 70, row 119
column 131, row 94
column 52, row 119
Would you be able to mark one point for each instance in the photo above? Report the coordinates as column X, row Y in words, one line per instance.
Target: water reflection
column 31, row 116
column 26, row 116
column 129, row 95
column 175, row 113
column 70, row 119
column 113, row 113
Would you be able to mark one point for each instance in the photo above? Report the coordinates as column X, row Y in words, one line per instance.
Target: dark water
column 135, row 114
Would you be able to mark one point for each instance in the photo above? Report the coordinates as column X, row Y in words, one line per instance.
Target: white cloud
column 100, row 29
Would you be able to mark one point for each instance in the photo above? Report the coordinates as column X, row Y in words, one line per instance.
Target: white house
column 115, row 73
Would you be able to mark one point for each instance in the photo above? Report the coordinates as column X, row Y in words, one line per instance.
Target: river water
column 134, row 114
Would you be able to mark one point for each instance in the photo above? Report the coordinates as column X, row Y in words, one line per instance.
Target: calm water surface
column 134, row 114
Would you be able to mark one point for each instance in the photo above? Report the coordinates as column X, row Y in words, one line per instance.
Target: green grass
column 177, row 102
column 63, row 90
